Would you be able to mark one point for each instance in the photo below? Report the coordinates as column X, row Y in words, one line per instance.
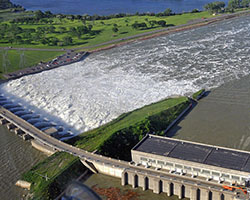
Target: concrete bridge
column 130, row 173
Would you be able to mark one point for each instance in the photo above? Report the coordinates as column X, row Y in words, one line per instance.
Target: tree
column 245, row 3
column 54, row 41
column 51, row 29
column 48, row 14
column 115, row 29
column 152, row 23
column 233, row 4
column 162, row 23
column 62, row 29
column 39, row 14
column 67, row 41
column 215, row 7
column 168, row 12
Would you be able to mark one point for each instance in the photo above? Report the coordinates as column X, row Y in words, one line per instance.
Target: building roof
column 195, row 152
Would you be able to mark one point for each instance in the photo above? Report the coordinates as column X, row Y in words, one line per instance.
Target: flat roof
column 195, row 152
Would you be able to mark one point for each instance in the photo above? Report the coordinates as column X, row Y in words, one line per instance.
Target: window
column 215, row 174
column 225, row 176
column 144, row 159
column 152, row 161
column 187, row 168
column 178, row 166
column 205, row 172
column 169, row 164
column 236, row 178
column 243, row 179
column 160, row 162
column 196, row 170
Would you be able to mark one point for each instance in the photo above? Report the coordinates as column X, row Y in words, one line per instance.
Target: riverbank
column 170, row 30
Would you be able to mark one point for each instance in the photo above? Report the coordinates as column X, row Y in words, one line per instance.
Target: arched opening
column 171, row 192
column 182, row 191
column 160, row 186
column 126, row 178
column 146, row 183
column 136, row 181
column 222, row 197
column 198, row 194
column 210, row 195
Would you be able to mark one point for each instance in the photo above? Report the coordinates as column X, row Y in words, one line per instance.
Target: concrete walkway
column 222, row 118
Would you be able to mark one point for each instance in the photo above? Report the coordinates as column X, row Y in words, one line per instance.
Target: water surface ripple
column 87, row 94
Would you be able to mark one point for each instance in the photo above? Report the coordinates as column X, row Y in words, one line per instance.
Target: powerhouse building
column 194, row 159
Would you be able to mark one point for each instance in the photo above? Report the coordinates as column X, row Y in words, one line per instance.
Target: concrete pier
column 10, row 126
column 26, row 137
column 3, row 121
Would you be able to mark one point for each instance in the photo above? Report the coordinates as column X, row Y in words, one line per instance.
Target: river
column 16, row 157
column 107, row 7
column 87, row 94
column 90, row 93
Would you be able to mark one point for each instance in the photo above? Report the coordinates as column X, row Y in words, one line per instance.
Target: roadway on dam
column 222, row 118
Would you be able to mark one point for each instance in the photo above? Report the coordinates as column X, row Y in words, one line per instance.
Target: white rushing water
column 87, row 94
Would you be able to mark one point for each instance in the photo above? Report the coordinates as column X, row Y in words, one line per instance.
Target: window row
column 188, row 169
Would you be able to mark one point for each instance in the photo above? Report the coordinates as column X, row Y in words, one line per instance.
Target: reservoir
column 16, row 157
column 108, row 7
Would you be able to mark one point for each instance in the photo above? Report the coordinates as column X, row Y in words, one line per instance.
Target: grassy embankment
column 31, row 58
column 197, row 94
column 60, row 169
column 114, row 139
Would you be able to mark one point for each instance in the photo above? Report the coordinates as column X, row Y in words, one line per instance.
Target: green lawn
column 31, row 58
column 103, row 29
column 95, row 138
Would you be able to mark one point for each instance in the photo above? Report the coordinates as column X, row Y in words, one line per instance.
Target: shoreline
column 166, row 31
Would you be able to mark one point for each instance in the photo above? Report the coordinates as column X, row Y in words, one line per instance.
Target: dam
column 155, row 177
column 112, row 82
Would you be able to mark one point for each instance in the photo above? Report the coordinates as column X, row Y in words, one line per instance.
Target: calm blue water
column 106, row 7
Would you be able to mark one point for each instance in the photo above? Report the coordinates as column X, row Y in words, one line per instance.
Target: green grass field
column 31, row 58
column 92, row 140
column 103, row 29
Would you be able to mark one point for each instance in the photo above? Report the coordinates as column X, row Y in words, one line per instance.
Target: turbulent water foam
column 87, row 94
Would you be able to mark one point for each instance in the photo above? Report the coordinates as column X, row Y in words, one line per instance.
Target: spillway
column 87, row 94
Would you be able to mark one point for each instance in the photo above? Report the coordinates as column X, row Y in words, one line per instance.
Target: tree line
column 219, row 6
column 15, row 34
column 5, row 4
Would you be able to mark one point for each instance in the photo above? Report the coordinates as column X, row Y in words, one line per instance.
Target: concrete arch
column 136, row 180
column 146, row 183
column 198, row 194
column 171, row 189
column 160, row 186
column 183, row 191
column 125, row 178
column 210, row 195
